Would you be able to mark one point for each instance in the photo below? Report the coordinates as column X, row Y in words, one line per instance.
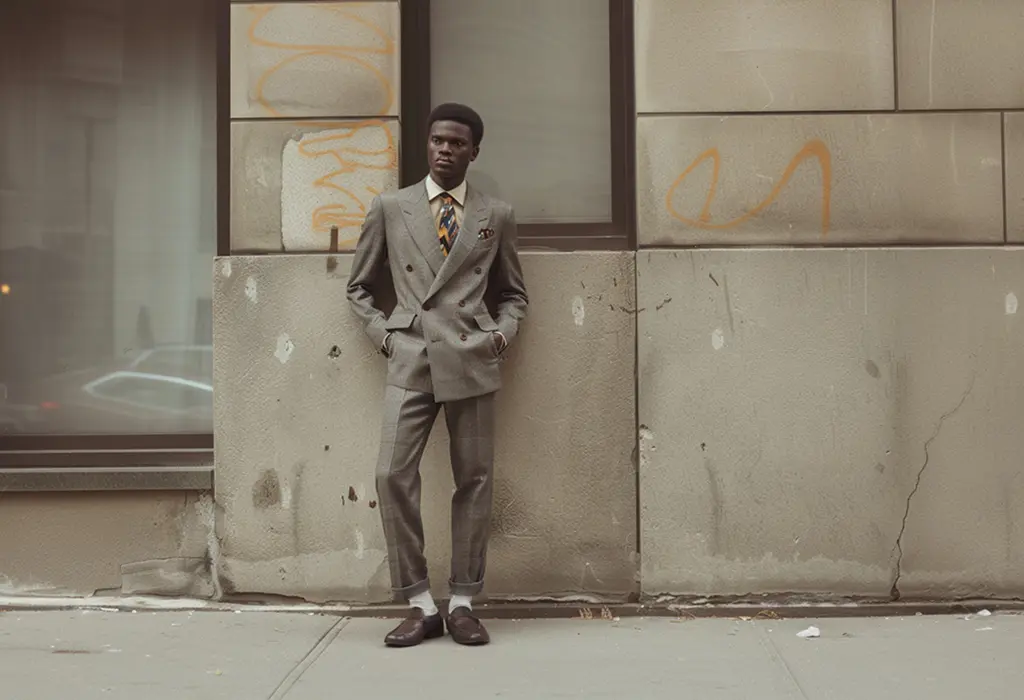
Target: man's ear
column 474, row 154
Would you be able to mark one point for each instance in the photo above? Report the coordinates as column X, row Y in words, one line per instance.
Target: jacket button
column 462, row 337
column 478, row 271
column 462, row 303
column 426, row 306
column 408, row 268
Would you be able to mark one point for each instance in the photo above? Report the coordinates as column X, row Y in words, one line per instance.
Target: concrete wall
column 831, row 421
column 817, row 420
column 298, row 401
column 80, row 544
column 836, row 422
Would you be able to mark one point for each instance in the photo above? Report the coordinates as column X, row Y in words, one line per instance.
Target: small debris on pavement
column 811, row 632
column 984, row 613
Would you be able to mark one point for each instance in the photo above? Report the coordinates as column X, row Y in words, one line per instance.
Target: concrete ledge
column 106, row 479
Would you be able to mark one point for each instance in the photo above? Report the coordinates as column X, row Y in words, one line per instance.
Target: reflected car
column 167, row 389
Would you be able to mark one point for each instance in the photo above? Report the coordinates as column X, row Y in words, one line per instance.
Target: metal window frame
column 620, row 232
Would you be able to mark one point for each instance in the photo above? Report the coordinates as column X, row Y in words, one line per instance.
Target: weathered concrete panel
column 292, row 181
column 297, row 405
column 83, row 543
column 820, row 179
column 797, row 406
column 1014, row 156
column 960, row 55
column 331, row 59
column 762, row 55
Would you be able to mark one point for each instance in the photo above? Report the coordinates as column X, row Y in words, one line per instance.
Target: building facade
column 771, row 248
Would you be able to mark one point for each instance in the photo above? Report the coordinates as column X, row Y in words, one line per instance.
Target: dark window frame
column 620, row 232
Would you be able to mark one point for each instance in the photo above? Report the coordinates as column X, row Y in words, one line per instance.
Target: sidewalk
column 90, row 655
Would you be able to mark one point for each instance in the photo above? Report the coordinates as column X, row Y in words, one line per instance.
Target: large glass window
column 552, row 80
column 108, row 176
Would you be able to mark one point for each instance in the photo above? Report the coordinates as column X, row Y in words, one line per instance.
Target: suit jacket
column 443, row 333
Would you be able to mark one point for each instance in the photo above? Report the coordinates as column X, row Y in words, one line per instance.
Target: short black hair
column 462, row 114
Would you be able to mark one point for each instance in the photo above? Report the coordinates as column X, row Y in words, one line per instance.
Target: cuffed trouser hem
column 409, row 591
column 470, row 589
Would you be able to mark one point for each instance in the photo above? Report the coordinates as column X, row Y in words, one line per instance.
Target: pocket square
column 486, row 234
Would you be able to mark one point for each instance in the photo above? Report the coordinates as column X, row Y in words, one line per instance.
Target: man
column 450, row 249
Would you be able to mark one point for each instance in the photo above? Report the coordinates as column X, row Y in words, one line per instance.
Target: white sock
column 425, row 602
column 460, row 601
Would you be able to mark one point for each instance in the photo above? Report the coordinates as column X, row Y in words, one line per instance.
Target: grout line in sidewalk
column 776, row 656
column 289, row 681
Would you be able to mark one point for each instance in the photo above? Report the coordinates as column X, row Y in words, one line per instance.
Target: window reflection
column 107, row 215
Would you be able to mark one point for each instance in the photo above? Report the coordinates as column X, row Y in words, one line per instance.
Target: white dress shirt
column 434, row 192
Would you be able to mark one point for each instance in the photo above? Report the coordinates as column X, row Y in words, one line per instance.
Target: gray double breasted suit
column 442, row 351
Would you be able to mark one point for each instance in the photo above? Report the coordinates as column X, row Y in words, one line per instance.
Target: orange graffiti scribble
column 335, row 51
column 813, row 149
column 351, row 215
column 351, row 211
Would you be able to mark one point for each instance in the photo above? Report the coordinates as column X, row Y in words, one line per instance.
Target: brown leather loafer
column 466, row 629
column 414, row 629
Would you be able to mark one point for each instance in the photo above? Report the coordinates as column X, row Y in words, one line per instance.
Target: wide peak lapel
column 420, row 222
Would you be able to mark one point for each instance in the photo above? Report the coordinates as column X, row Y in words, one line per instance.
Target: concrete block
column 1014, row 145
column 320, row 59
column 297, row 406
column 79, row 544
column 188, row 577
column 831, row 421
column 820, row 179
column 960, row 55
column 763, row 56
column 292, row 181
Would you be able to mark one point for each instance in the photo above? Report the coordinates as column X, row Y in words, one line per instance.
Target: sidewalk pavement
column 87, row 654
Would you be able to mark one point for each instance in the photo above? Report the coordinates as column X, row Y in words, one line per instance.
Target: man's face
column 450, row 150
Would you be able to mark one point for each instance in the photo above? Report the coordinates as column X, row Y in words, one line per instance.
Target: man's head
column 453, row 142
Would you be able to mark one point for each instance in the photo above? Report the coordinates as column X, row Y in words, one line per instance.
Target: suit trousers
column 408, row 419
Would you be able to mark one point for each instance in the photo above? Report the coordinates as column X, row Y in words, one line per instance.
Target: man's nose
column 446, row 148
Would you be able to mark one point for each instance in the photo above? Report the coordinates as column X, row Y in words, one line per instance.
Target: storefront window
column 107, row 216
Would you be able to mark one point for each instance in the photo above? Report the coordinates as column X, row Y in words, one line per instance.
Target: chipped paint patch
column 251, row 292
column 578, row 312
column 1011, row 304
column 225, row 268
column 646, row 446
column 285, row 348
column 718, row 339
column 360, row 545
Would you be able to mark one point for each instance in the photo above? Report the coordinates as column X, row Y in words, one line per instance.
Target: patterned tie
column 447, row 226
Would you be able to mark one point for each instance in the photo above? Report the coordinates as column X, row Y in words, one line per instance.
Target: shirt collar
column 434, row 191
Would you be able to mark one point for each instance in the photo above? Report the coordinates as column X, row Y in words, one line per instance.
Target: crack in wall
column 894, row 592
